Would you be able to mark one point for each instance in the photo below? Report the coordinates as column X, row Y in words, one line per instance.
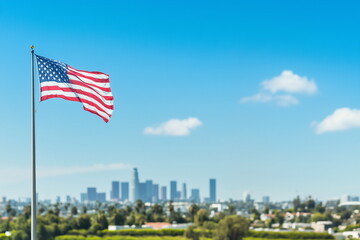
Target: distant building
column 348, row 198
column 142, row 192
column 83, row 197
column 246, row 197
column 125, row 191
column 149, row 191
column 58, row 199
column 135, row 186
column 184, row 192
column 321, row 226
column 101, row 197
column 91, row 194
column 195, row 195
column 115, row 191
column 163, row 193
column 68, row 199
column 212, row 197
column 173, row 190
column 266, row 200
column 155, row 193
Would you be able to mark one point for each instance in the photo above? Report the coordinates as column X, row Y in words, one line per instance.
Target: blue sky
column 180, row 60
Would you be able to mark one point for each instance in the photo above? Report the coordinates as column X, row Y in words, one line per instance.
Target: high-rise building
column 142, row 192
column 125, row 191
column 266, row 200
column 149, row 191
column 184, row 192
column 91, row 194
column 68, row 199
column 101, row 197
column 163, row 193
column 115, row 191
column 246, row 197
column 173, row 191
column 83, row 197
column 195, row 195
column 212, row 185
column 58, row 199
column 155, row 197
column 135, row 186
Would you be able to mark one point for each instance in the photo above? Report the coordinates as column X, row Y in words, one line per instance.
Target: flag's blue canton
column 51, row 70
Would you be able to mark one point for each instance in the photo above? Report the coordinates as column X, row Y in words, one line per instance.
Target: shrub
column 289, row 235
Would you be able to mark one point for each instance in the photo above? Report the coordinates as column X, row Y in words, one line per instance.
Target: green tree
column 118, row 217
column 155, row 214
column 101, row 219
column 279, row 217
column 193, row 209
column 41, row 232
column 201, row 216
column 191, row 233
column 84, row 209
column 232, row 228
column 74, row 210
column 19, row 235
column 320, row 208
column 255, row 215
column 83, row 221
column 139, row 219
column 231, row 209
column 297, row 204
column 320, row 217
column 310, row 204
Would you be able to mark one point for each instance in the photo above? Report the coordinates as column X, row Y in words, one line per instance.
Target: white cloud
column 259, row 97
column 341, row 119
column 287, row 82
column 286, row 100
column 15, row 175
column 291, row 83
column 281, row 100
column 174, row 127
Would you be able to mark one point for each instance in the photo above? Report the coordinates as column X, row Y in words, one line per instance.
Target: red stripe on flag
column 75, row 99
column 80, row 83
column 87, row 71
column 98, row 80
column 48, row 88
column 94, row 112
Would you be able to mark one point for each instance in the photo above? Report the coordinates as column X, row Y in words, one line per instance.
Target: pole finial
column 32, row 47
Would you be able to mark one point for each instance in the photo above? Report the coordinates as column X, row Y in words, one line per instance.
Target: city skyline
column 262, row 96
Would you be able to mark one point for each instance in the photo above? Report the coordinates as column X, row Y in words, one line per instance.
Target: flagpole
column 33, row 199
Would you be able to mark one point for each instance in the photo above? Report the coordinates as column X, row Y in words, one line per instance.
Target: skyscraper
column 91, row 194
column 149, row 191
column 195, row 195
column 212, row 196
column 135, row 186
column 266, row 199
column 115, row 190
column 83, row 197
column 184, row 192
column 173, row 190
column 142, row 192
column 125, row 191
column 155, row 198
column 101, row 197
column 163, row 193
column 246, row 197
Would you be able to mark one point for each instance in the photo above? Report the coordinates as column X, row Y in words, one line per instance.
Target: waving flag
column 92, row 89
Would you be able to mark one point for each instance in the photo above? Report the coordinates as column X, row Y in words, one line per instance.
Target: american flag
column 92, row 89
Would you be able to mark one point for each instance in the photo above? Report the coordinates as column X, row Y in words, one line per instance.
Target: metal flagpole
column 33, row 199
